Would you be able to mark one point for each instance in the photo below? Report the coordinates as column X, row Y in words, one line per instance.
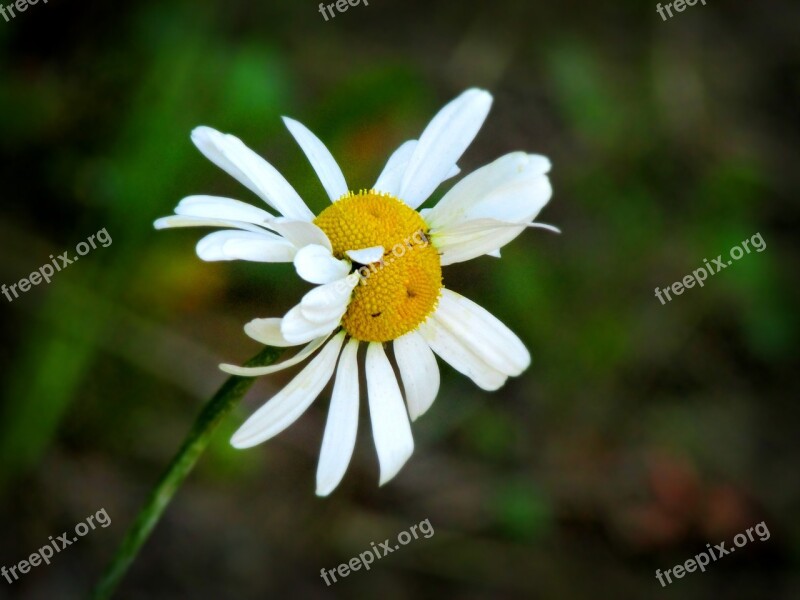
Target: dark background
column 640, row 433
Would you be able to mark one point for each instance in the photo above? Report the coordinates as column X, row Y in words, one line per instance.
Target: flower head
column 376, row 262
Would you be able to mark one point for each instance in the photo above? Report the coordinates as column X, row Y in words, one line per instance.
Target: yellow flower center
column 401, row 291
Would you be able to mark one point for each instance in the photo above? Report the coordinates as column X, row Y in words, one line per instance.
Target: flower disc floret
column 399, row 292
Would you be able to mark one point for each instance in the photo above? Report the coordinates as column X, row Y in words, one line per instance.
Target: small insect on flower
column 378, row 239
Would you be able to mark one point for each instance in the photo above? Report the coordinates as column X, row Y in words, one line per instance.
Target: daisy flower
column 376, row 262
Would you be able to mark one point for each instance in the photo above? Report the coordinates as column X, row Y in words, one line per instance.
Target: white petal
column 477, row 226
column 267, row 332
column 210, row 247
column 419, row 372
column 212, row 144
column 458, row 356
column 481, row 213
column 483, row 333
column 366, row 256
column 471, row 239
column 244, row 245
column 454, row 170
column 340, row 431
column 232, row 156
column 215, row 207
column 391, row 429
column 513, row 188
column 297, row 329
column 494, row 254
column 392, row 174
column 442, row 143
column 182, row 221
column 261, row 250
column 320, row 158
column 304, row 353
column 328, row 302
column 316, row 264
column 292, row 401
column 299, row 233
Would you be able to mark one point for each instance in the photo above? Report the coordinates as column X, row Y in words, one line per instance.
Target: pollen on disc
column 401, row 291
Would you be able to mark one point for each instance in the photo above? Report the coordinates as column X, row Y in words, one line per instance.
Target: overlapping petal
column 231, row 155
column 326, row 167
column 419, row 372
column 392, row 175
column 174, row 221
column 319, row 312
column 477, row 216
column 304, row 353
column 292, row 401
column 366, row 256
column 329, row 301
column 299, row 233
column 244, row 245
column 482, row 333
column 391, row 429
column 339, row 439
column 442, row 143
column 316, row 264
column 267, row 332
column 216, row 207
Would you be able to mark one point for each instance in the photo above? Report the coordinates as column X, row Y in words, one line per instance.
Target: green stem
column 196, row 442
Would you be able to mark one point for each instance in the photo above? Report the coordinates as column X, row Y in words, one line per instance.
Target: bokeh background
column 640, row 433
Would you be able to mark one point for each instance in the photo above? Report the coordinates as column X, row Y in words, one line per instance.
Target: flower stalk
column 212, row 414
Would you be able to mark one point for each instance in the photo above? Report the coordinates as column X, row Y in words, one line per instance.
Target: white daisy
column 376, row 263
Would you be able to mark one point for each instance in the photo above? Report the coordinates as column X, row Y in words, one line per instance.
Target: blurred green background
column 640, row 433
